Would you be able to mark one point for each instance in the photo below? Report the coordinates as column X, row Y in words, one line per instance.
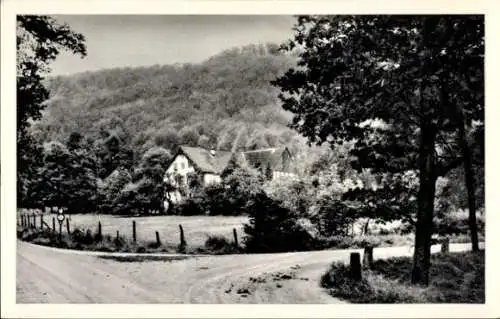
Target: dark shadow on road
column 144, row 258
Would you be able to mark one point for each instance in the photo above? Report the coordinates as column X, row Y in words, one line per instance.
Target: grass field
column 196, row 228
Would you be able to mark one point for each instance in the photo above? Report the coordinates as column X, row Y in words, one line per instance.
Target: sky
column 143, row 40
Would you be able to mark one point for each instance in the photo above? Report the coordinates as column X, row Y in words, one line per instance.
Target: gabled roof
column 204, row 161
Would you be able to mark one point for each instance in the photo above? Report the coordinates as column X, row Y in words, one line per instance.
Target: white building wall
column 181, row 166
column 283, row 175
column 211, row 179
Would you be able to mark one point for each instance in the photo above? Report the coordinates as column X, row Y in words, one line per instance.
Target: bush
column 189, row 207
column 218, row 201
column 220, row 245
column 338, row 242
column 332, row 217
column 457, row 223
column 273, row 228
column 78, row 236
column 119, row 242
column 344, row 242
column 141, row 250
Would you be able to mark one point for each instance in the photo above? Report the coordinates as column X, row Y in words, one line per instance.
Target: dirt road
column 47, row 275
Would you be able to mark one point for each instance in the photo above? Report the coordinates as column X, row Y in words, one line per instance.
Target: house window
column 181, row 165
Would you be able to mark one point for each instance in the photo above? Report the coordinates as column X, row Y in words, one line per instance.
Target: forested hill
column 224, row 102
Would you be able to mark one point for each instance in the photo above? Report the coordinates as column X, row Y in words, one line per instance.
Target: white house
column 209, row 164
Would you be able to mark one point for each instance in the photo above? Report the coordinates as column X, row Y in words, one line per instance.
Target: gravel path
column 47, row 275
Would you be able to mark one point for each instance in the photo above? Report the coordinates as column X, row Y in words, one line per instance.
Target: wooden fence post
column 22, row 221
column 235, row 235
column 41, row 222
column 54, row 224
column 117, row 234
column 158, row 242
column 99, row 231
column 60, row 231
column 355, row 266
column 134, row 232
column 183, row 239
column 445, row 245
column 34, row 220
column 67, row 226
column 368, row 257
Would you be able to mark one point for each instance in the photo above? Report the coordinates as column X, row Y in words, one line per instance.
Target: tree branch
column 443, row 169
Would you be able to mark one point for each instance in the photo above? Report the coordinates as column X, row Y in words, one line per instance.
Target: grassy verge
column 87, row 240
column 454, row 278
column 389, row 240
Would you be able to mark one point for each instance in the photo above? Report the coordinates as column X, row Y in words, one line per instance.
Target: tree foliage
column 393, row 86
column 66, row 178
column 39, row 39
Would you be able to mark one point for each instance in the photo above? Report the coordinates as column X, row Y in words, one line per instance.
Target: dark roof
column 265, row 157
column 204, row 161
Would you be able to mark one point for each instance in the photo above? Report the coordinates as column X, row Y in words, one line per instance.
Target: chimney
column 212, row 152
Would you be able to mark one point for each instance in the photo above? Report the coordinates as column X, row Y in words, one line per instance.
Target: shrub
column 153, row 245
column 217, row 201
column 339, row 242
column 78, row 236
column 220, row 245
column 273, row 228
column 119, row 242
column 140, row 250
column 456, row 223
column 216, row 242
column 344, row 242
column 189, row 207
column 333, row 217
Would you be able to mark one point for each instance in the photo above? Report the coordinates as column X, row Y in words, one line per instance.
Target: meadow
column 196, row 228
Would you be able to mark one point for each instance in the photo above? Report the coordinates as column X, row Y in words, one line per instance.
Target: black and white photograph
column 250, row 159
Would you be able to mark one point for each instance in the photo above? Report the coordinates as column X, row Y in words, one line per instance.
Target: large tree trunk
column 469, row 181
column 427, row 190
